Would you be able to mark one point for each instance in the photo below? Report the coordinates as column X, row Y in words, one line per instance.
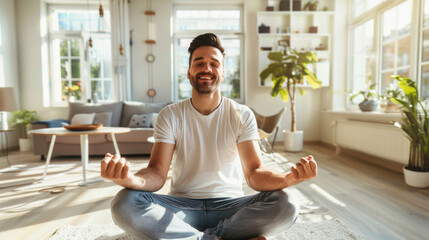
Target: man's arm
column 151, row 178
column 260, row 178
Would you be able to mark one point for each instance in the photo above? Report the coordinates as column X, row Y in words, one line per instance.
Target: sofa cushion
column 141, row 120
column 115, row 108
column 104, row 118
column 82, row 118
column 131, row 108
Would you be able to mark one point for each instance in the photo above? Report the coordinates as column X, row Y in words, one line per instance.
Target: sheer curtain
column 121, row 49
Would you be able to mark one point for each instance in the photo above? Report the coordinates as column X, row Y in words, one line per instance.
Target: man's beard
column 205, row 87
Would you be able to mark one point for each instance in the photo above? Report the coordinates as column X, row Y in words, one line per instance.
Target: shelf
column 294, row 34
column 301, row 30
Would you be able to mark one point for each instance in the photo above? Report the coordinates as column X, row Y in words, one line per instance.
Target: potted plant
column 416, row 128
column 23, row 119
column 289, row 68
column 369, row 102
column 387, row 104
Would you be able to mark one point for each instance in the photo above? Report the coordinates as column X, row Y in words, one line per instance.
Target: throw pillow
column 104, row 118
column 82, row 118
column 141, row 121
column 131, row 108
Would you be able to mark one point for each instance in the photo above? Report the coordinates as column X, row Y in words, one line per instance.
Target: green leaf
column 275, row 56
column 284, row 95
column 301, row 91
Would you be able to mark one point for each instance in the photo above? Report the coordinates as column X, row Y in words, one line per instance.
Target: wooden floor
column 372, row 200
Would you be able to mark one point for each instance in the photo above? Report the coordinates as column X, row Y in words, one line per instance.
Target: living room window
column 226, row 22
column 385, row 41
column 74, row 63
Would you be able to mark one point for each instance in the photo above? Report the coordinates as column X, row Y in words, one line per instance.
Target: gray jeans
column 145, row 215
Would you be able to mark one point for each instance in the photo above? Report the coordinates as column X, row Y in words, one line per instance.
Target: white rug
column 325, row 230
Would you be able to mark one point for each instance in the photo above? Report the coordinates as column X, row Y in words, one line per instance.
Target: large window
column 385, row 42
column 224, row 21
column 396, row 43
column 80, row 53
column 424, row 61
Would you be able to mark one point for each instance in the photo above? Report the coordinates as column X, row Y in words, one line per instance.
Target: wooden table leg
column 48, row 159
column 84, row 151
column 115, row 144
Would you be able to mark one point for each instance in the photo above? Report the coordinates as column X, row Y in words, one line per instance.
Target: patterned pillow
column 141, row 120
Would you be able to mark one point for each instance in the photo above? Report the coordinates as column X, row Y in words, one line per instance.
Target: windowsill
column 375, row 116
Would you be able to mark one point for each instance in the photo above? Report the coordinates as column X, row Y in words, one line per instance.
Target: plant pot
column 293, row 141
column 25, row 144
column 368, row 106
column 416, row 179
column 391, row 107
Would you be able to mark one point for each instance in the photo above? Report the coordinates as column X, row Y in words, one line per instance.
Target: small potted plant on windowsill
column 416, row 127
column 369, row 102
column 23, row 119
column 387, row 104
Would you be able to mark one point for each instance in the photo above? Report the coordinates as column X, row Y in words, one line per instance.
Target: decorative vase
column 293, row 141
column 284, row 5
column 416, row 179
column 368, row 106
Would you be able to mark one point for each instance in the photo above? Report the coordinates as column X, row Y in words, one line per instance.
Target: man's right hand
column 115, row 168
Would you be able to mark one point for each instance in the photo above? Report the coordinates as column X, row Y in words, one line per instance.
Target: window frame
column 376, row 14
column 179, row 34
column 85, row 68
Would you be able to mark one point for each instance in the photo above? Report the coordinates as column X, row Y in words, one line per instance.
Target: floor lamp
column 7, row 104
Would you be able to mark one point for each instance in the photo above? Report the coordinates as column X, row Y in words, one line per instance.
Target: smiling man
column 212, row 143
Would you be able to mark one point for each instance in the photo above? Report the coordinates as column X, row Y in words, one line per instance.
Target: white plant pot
column 293, row 141
column 416, row 179
column 25, row 144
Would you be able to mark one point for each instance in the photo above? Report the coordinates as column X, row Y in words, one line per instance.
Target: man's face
column 206, row 70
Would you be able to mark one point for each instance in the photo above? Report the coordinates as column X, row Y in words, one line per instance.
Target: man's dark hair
column 206, row 39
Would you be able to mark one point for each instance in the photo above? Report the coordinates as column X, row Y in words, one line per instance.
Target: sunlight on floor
column 327, row 195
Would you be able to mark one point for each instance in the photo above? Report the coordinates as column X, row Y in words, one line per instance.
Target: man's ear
column 187, row 75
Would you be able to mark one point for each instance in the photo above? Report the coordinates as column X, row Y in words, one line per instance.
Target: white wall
column 161, row 67
column 9, row 76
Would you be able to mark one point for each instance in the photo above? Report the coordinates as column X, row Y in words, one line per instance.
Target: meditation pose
column 212, row 143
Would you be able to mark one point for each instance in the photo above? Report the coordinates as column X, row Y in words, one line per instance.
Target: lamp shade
column 7, row 99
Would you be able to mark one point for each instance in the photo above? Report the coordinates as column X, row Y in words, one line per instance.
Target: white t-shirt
column 206, row 163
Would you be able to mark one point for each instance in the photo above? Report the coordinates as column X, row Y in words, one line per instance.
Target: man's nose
column 207, row 67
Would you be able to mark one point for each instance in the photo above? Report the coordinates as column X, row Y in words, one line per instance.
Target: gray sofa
column 119, row 113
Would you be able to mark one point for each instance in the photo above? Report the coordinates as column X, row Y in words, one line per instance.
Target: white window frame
column 178, row 34
column 416, row 39
column 83, row 36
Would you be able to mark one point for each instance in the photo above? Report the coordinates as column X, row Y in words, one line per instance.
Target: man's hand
column 115, row 168
column 304, row 170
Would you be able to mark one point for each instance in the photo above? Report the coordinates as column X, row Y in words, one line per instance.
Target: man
column 213, row 142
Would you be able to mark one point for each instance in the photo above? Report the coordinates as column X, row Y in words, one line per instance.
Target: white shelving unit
column 301, row 30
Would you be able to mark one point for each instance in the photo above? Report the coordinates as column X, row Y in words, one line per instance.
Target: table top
column 7, row 130
column 64, row 132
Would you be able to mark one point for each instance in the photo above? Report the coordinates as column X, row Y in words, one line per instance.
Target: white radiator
column 381, row 140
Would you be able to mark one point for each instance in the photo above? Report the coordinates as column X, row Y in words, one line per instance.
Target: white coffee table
column 84, row 144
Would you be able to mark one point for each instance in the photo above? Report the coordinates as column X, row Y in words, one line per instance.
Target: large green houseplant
column 415, row 124
column 288, row 69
